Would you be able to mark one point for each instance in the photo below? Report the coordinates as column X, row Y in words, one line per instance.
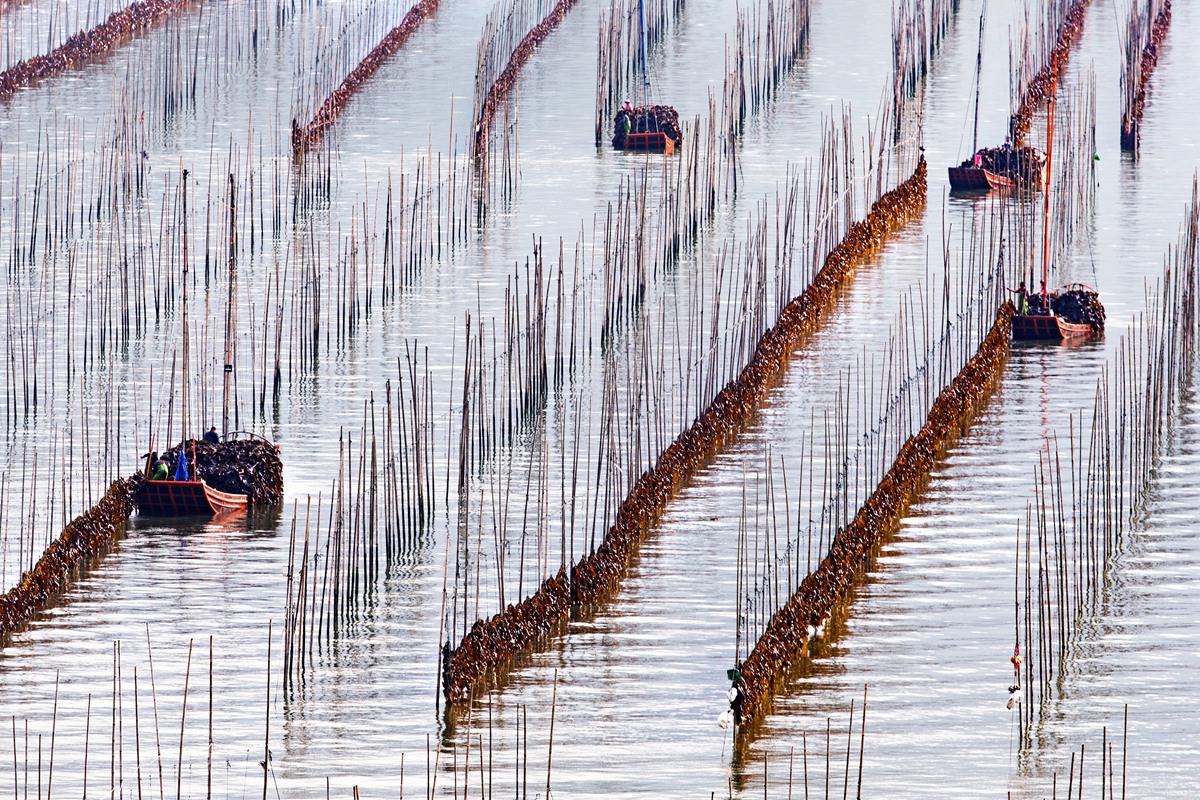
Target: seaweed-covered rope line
column 786, row 635
column 86, row 536
column 1039, row 88
column 1131, row 120
column 490, row 642
column 87, row 44
column 508, row 78
column 304, row 136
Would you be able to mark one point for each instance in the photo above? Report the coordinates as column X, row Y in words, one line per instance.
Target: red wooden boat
column 186, row 498
column 1047, row 327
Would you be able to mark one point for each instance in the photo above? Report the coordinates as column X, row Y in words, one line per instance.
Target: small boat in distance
column 646, row 128
column 989, row 168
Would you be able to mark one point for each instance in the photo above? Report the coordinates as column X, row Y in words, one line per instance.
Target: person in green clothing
column 158, row 470
column 1022, row 299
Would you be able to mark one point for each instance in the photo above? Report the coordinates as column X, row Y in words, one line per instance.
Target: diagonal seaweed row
column 491, row 642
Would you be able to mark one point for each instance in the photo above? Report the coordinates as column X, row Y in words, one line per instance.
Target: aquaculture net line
column 87, row 536
column 1038, row 88
column 309, row 134
column 87, row 44
column 787, row 632
column 491, row 642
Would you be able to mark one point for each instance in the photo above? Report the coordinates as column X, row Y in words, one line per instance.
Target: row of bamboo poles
column 878, row 443
column 889, row 423
column 769, row 40
column 1083, row 512
column 511, row 34
column 307, row 134
column 1142, row 45
column 918, row 32
column 1038, row 58
column 636, row 248
column 87, row 44
column 637, row 437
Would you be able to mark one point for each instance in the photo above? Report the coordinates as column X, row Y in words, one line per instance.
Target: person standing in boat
column 158, row 469
column 1022, row 298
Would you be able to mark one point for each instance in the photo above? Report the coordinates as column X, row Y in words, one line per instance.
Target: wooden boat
column 1047, row 327
column 994, row 167
column 186, row 499
column 646, row 128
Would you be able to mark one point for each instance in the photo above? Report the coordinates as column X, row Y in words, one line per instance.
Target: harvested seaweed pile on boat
column 1021, row 164
column 1081, row 305
column 246, row 466
column 647, row 119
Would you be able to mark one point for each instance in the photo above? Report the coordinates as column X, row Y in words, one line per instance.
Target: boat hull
column 186, row 499
column 977, row 179
column 1047, row 327
column 652, row 142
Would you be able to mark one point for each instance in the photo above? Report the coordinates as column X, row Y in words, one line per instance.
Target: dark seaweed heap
column 1020, row 164
column 647, row 119
column 1079, row 305
column 249, row 466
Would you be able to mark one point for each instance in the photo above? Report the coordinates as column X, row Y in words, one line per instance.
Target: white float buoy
column 725, row 721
